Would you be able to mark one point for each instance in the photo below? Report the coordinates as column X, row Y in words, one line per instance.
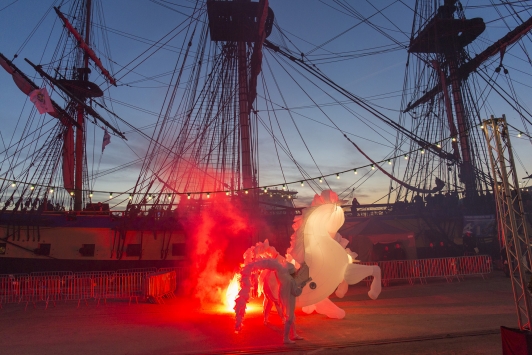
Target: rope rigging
column 193, row 146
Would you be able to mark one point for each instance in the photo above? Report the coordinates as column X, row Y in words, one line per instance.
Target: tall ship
column 113, row 157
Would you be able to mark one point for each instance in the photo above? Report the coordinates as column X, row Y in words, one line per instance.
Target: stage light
column 481, row 126
column 71, row 193
column 389, row 162
column 13, row 184
column 438, row 145
column 265, row 189
column 90, row 194
column 422, row 151
column 284, row 187
column 208, row 195
column 110, row 195
column 227, row 193
column 321, row 179
column 149, row 197
column 169, row 196
column 130, row 196
column 338, row 176
column 372, row 166
column 51, row 190
column 302, row 183
column 519, row 134
column 406, row 156
column 355, row 171
column 32, row 187
column 454, row 139
column 246, row 191
column 188, row 196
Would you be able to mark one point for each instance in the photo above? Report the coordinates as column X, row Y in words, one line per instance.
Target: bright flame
column 232, row 293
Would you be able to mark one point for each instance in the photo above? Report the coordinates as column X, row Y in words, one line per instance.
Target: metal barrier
column 148, row 283
column 160, row 285
column 82, row 286
column 181, row 273
column 146, row 270
column 52, row 273
column 11, row 288
column 77, row 288
column 126, row 285
column 422, row 269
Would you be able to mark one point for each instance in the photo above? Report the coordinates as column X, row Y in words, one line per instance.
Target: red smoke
column 217, row 237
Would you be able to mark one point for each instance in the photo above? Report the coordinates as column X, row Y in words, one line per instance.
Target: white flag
column 42, row 101
column 106, row 140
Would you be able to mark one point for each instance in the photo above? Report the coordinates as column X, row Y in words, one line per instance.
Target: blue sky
column 309, row 25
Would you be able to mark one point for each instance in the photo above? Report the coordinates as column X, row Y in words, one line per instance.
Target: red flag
column 106, row 140
column 42, row 101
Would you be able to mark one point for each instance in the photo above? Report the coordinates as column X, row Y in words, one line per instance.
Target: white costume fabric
column 317, row 243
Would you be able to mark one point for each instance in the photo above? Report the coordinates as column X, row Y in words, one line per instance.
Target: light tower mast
column 513, row 228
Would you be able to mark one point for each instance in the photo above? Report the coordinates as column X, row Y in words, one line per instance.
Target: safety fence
column 454, row 268
column 83, row 286
column 160, row 285
column 157, row 285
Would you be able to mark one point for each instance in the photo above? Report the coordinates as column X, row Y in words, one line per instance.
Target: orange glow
column 232, row 293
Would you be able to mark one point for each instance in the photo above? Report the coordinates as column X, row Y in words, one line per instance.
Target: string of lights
column 264, row 188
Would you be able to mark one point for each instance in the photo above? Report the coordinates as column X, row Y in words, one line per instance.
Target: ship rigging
column 236, row 102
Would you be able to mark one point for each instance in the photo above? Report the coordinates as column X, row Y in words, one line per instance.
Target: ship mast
column 79, row 90
column 243, row 93
column 440, row 43
column 446, row 37
column 83, row 74
column 243, row 24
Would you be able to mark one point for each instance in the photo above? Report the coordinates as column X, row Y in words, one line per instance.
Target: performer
column 271, row 296
column 288, row 291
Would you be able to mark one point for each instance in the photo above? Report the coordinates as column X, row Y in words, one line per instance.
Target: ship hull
column 87, row 242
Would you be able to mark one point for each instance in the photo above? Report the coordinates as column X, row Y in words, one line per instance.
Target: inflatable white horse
column 316, row 243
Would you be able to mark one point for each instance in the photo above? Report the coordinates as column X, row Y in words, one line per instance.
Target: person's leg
column 267, row 307
column 287, row 327
column 280, row 311
column 295, row 336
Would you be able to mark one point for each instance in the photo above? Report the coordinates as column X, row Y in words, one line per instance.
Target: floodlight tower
column 513, row 228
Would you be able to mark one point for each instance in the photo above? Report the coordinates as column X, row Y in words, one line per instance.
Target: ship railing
column 451, row 269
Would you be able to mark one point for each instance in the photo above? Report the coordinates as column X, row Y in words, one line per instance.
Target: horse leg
column 355, row 273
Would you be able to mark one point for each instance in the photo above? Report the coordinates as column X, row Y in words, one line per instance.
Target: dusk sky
column 322, row 30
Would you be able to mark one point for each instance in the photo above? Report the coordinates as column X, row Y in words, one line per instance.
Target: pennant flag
column 106, row 140
column 42, row 101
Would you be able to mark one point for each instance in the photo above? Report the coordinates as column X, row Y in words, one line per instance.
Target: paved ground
column 435, row 318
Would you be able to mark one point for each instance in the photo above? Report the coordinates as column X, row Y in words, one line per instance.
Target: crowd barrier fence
column 157, row 285
column 83, row 286
column 453, row 268
column 160, row 285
